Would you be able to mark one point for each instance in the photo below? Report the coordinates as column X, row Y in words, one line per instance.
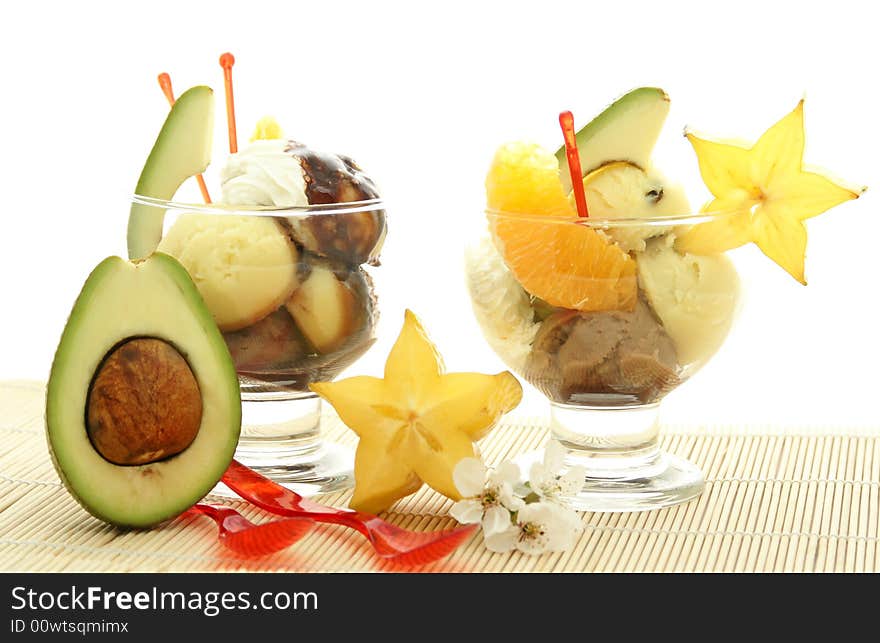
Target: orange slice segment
column 565, row 263
column 524, row 178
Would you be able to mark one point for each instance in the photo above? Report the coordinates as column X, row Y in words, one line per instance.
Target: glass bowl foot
column 281, row 439
column 667, row 480
column 618, row 448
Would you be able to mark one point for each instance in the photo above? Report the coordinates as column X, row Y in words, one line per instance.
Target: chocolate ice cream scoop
column 354, row 237
column 612, row 356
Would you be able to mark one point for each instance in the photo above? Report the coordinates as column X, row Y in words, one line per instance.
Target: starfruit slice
column 766, row 194
column 417, row 422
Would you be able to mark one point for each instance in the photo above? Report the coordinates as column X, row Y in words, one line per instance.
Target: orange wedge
column 565, row 263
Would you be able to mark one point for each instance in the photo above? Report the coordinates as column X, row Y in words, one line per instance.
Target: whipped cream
column 264, row 174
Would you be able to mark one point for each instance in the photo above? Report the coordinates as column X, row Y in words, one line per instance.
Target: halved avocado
column 143, row 408
column 626, row 130
column 182, row 150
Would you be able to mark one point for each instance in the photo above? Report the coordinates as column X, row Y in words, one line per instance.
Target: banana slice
column 502, row 307
column 244, row 266
column 325, row 309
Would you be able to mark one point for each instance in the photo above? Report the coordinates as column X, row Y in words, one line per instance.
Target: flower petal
column 538, row 477
column 534, row 512
column 469, row 476
column 569, row 517
column 556, row 526
column 509, row 499
column 506, row 472
column 503, row 541
column 554, row 456
column 572, row 481
column 566, row 526
column 467, row 512
column 538, row 515
column 559, row 538
column 532, row 546
column 495, row 520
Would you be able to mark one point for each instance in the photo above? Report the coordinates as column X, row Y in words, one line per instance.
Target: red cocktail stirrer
column 566, row 121
column 227, row 60
column 165, row 84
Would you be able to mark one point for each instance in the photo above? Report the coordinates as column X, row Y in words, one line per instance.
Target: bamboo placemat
column 775, row 500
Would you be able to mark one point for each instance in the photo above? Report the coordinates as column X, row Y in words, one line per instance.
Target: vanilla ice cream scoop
column 245, row 267
column 694, row 296
column 622, row 190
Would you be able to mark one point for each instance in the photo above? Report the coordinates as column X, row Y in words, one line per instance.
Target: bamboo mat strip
column 776, row 499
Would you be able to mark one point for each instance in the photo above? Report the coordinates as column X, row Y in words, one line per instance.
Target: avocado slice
column 143, row 409
column 626, row 130
column 182, row 150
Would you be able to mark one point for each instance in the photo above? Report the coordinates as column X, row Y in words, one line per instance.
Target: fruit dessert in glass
column 282, row 263
column 601, row 286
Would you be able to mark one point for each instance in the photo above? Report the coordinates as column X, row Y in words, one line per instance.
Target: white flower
column 534, row 521
column 539, row 527
column 487, row 496
column 544, row 478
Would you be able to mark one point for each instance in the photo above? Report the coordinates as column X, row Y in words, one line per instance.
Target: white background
column 421, row 97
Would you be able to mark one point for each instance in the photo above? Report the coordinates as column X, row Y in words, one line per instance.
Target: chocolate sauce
column 353, row 237
column 332, row 178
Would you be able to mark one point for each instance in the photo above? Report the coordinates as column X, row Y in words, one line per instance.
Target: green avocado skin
column 184, row 478
column 635, row 119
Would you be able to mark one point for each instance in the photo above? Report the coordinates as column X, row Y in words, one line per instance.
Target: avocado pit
column 144, row 403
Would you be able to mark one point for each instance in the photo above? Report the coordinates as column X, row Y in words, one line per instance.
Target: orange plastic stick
column 165, row 84
column 227, row 60
column 566, row 121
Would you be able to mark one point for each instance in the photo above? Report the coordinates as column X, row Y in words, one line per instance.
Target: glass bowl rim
column 226, row 209
column 687, row 218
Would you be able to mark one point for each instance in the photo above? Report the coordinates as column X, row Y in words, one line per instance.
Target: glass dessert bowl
column 626, row 319
column 280, row 262
column 602, row 286
column 292, row 293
